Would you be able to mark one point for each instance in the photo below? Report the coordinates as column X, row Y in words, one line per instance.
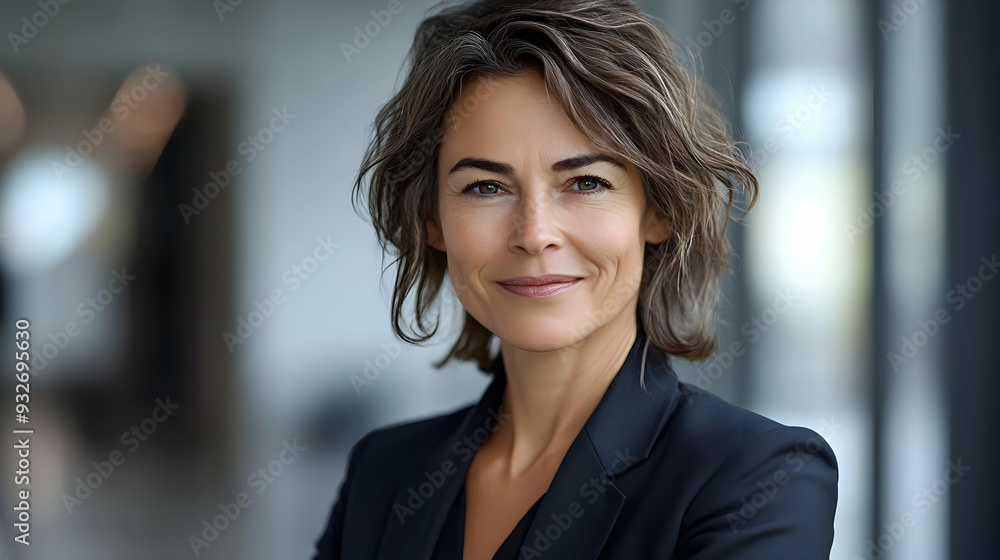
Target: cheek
column 470, row 247
column 612, row 238
column 475, row 229
column 615, row 249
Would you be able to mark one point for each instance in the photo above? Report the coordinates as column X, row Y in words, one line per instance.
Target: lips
column 540, row 286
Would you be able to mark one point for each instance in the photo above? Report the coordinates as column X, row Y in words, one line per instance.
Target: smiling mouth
column 540, row 290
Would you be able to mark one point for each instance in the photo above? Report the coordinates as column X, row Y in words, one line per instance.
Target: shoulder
column 719, row 428
column 393, row 451
column 762, row 487
column 376, row 464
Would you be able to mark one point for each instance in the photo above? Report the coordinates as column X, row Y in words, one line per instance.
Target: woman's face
column 523, row 193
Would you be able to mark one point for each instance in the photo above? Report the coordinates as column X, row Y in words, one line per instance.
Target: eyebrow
column 563, row 165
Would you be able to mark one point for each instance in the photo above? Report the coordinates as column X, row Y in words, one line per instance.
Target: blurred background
column 207, row 312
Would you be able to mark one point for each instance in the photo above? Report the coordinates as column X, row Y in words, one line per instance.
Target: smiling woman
column 576, row 192
column 546, row 213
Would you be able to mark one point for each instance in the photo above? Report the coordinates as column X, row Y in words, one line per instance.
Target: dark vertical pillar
column 973, row 239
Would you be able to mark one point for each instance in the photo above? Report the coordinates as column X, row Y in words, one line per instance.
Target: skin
column 560, row 352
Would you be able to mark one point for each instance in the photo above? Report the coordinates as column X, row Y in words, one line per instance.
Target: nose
column 536, row 227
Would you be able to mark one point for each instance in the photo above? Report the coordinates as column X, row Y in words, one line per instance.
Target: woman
column 555, row 160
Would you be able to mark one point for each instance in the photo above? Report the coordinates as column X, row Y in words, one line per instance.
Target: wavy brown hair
column 615, row 74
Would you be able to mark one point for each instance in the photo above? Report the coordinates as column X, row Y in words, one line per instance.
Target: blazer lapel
column 577, row 513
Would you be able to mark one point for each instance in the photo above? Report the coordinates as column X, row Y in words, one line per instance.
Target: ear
column 657, row 226
column 434, row 237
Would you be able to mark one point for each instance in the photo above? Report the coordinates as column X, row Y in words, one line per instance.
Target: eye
column 486, row 188
column 590, row 184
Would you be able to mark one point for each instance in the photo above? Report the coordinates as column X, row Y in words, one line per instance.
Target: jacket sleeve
column 773, row 497
column 329, row 545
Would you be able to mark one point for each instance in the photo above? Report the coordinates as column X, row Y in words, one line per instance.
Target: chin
column 534, row 344
column 541, row 334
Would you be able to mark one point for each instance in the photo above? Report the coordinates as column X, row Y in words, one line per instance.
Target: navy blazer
column 669, row 472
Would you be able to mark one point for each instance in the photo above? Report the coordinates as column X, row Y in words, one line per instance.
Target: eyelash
column 606, row 186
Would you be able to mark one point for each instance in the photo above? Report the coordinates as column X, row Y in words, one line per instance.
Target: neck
column 550, row 395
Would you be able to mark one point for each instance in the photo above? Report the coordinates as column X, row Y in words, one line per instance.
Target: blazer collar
column 618, row 435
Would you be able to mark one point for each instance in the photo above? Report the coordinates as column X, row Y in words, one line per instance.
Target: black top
column 451, row 542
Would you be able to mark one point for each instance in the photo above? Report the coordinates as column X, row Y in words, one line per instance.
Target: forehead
column 510, row 116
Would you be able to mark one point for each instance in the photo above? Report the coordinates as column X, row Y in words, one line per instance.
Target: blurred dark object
column 973, row 232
